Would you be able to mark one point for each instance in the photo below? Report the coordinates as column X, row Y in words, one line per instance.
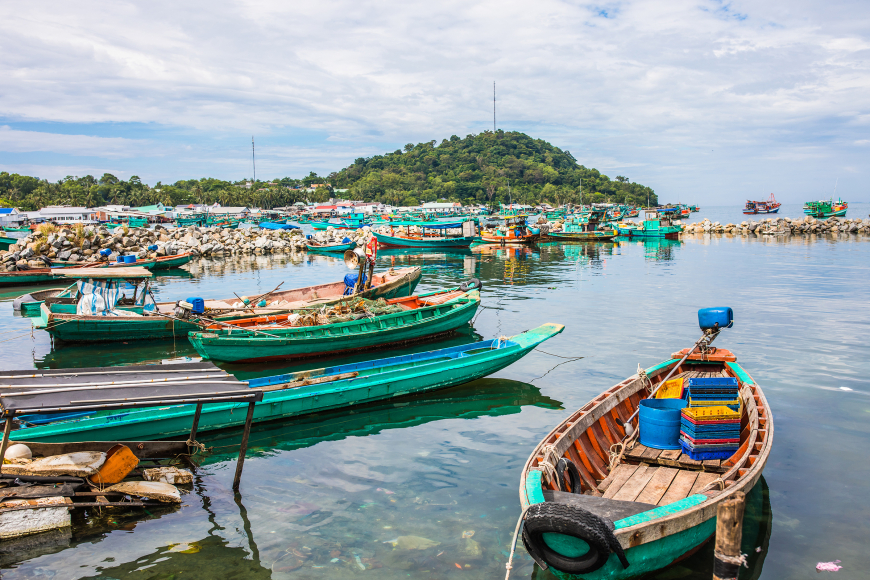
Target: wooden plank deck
column 654, row 485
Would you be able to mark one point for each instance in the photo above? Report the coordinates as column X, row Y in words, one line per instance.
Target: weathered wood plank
column 621, row 474
column 139, row 448
column 688, row 461
column 651, row 453
column 658, row 485
column 632, row 488
column 680, row 487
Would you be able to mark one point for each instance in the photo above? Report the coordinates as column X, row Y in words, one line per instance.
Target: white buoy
column 18, row 451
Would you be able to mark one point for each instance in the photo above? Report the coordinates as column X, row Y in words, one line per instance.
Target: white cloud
column 646, row 85
column 15, row 141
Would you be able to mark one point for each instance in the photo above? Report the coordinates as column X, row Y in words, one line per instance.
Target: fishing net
column 343, row 311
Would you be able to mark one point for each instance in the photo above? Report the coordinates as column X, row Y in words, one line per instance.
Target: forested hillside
column 484, row 168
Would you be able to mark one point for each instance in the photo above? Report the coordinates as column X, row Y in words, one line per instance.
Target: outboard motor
column 183, row 310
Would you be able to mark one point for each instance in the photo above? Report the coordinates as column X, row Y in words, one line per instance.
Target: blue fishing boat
column 301, row 393
column 657, row 223
column 327, row 248
column 277, row 226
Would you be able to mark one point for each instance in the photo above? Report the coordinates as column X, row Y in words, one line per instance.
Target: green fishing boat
column 602, row 503
column 318, row 248
column 305, row 392
column 826, row 208
column 398, row 321
column 30, row 303
column 27, row 277
column 132, row 321
column 657, row 223
column 6, row 243
column 586, row 229
column 436, row 237
column 13, row 229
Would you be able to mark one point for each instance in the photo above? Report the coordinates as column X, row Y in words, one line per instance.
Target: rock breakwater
column 90, row 244
column 784, row 226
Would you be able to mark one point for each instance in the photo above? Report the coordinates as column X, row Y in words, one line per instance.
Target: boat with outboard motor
column 139, row 318
column 606, row 496
column 660, row 222
column 305, row 392
column 352, row 325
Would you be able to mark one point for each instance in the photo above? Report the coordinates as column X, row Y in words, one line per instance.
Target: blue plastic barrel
column 129, row 259
column 721, row 317
column 659, row 421
column 120, row 259
column 198, row 305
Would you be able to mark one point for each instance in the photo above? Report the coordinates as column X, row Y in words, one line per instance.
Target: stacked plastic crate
column 710, row 425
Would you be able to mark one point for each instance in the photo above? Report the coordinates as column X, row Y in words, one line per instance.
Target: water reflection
column 483, row 397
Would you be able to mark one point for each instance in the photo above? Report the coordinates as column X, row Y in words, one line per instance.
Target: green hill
column 479, row 169
column 484, row 168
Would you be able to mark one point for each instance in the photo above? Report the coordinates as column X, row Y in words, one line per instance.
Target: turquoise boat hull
column 333, row 248
column 396, row 242
column 6, row 243
column 328, row 339
column 376, row 380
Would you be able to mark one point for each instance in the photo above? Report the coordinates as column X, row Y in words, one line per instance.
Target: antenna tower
column 254, row 158
column 493, row 106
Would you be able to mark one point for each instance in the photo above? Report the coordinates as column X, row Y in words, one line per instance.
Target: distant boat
column 826, row 208
column 768, row 206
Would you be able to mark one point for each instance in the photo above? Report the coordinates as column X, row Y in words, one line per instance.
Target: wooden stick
column 244, row 447
column 729, row 533
column 6, row 429
column 195, row 422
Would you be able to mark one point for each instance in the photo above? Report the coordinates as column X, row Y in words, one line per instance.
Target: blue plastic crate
column 705, row 455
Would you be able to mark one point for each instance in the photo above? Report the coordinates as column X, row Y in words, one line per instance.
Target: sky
column 704, row 101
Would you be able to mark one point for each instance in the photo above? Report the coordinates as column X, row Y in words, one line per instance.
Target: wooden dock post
column 727, row 558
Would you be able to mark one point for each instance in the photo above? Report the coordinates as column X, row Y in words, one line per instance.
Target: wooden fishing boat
column 58, row 315
column 826, row 208
column 591, row 228
column 311, row 391
column 755, row 207
column 26, row 277
column 513, row 231
column 651, row 507
column 29, row 304
column 657, row 223
column 436, row 236
column 159, row 263
column 326, row 248
column 405, row 320
column 6, row 243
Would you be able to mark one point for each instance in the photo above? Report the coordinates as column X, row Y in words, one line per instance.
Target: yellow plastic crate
column 713, row 412
column 673, row 389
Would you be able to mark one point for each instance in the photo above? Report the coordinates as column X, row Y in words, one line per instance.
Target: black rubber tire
column 573, row 475
column 565, row 519
column 472, row 284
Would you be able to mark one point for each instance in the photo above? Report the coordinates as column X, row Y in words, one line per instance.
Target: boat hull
column 313, row 341
column 332, row 248
column 23, row 278
column 397, row 242
column 73, row 328
column 453, row 368
column 584, row 236
column 667, row 233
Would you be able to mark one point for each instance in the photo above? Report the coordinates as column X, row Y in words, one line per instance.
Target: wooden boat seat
column 441, row 298
column 611, row 509
column 648, row 484
column 674, row 458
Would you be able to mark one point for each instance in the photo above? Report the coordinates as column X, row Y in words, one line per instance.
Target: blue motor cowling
column 713, row 318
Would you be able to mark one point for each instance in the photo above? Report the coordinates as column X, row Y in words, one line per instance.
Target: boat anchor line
column 569, row 359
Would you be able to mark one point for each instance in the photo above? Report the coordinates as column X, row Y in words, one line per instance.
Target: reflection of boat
column 483, row 397
column 639, row 511
column 304, row 392
column 424, row 253
column 659, row 249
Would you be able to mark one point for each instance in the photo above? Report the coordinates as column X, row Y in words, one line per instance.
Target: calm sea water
column 389, row 490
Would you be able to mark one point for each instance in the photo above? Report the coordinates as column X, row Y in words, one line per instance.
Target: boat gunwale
column 578, row 422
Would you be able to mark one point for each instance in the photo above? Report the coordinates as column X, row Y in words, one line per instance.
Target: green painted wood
column 330, row 248
column 6, row 243
column 435, row 242
column 741, row 374
column 661, row 511
column 308, row 341
column 27, row 277
column 111, row 329
column 377, row 383
column 534, row 489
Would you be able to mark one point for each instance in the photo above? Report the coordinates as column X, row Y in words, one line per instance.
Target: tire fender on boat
column 573, row 475
column 472, row 284
column 556, row 518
